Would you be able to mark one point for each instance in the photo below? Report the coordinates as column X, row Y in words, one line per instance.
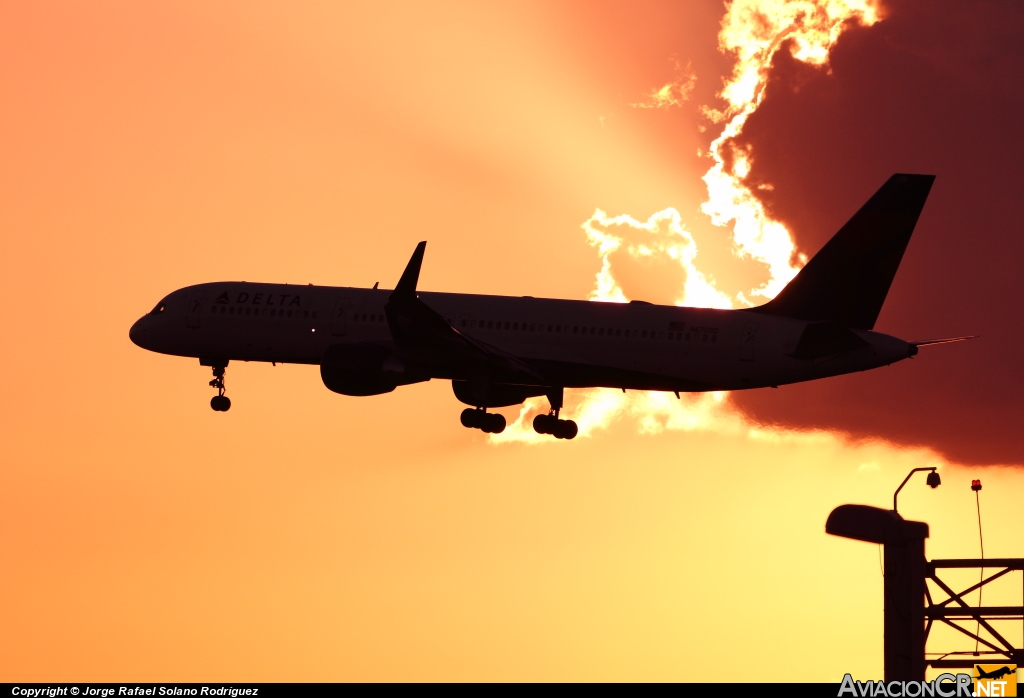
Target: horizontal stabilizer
column 821, row 339
column 849, row 278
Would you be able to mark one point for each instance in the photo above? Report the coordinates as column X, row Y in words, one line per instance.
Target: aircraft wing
column 424, row 337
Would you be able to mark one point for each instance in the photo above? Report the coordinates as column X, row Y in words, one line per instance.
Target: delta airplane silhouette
column 498, row 351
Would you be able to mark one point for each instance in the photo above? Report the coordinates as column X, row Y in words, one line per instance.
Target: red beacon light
column 976, row 485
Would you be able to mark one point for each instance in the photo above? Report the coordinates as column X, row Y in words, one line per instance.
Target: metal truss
column 954, row 611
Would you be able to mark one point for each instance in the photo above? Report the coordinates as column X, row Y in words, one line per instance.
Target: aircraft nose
column 137, row 333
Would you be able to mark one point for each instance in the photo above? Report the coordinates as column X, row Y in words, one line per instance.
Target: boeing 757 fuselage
column 500, row 350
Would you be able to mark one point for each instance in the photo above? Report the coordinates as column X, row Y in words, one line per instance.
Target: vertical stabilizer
column 847, row 281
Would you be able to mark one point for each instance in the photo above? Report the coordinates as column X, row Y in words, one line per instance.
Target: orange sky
column 307, row 536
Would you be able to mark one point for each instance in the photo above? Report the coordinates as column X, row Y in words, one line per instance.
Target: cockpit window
column 160, row 307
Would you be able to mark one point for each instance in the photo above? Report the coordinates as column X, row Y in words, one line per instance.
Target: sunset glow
column 752, row 32
column 692, row 153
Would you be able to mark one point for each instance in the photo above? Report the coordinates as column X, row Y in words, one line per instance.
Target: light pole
column 933, row 482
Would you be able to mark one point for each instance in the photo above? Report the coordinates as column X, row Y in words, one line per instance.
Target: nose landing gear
column 219, row 402
column 483, row 420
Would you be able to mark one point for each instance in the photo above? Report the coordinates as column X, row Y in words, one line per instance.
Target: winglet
column 410, row 277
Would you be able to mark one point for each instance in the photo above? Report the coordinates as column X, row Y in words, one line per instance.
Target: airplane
column 498, row 351
column 994, row 674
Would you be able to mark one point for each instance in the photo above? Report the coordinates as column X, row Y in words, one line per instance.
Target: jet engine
column 361, row 369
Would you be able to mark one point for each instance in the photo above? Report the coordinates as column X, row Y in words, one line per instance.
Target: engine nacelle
column 361, row 369
column 494, row 395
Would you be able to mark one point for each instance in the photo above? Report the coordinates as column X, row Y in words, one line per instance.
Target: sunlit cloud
column 672, row 94
column 661, row 238
column 753, row 32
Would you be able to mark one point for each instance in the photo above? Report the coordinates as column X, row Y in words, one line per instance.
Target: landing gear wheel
column 495, row 424
column 566, row 429
column 482, row 420
column 544, row 423
column 559, row 428
column 220, row 403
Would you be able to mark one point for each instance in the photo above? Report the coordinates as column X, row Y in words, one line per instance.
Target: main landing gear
column 483, row 420
column 550, row 423
column 219, row 402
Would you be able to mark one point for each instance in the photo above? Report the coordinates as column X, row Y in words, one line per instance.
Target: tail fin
column 848, row 279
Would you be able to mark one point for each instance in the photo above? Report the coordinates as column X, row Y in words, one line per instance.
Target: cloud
column 825, row 102
column 639, row 259
column 926, row 90
column 672, row 94
column 645, row 258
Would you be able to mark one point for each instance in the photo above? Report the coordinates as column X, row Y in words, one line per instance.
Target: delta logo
column 995, row 680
